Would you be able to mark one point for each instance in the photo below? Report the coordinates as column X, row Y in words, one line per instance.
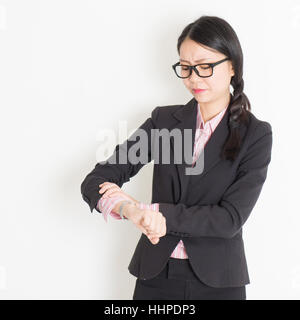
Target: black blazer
column 210, row 227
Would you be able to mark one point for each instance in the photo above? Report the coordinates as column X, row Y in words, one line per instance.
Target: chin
column 201, row 99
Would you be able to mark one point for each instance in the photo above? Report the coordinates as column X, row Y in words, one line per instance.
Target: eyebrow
column 195, row 60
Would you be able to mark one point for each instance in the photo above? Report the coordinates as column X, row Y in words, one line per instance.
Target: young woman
column 191, row 245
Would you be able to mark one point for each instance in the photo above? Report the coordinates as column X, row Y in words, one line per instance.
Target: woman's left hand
column 109, row 189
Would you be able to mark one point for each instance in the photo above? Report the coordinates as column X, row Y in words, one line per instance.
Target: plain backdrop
column 70, row 69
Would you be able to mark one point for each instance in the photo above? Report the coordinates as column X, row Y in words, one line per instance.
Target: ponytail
column 238, row 106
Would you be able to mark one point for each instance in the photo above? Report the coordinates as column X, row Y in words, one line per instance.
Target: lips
column 198, row 90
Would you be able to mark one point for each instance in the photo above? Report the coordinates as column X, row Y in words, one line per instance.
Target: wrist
column 137, row 203
column 128, row 209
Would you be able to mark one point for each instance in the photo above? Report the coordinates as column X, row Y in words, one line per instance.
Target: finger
column 144, row 231
column 108, row 186
column 159, row 231
column 114, row 194
column 158, row 225
column 110, row 191
column 154, row 240
column 152, row 225
column 107, row 183
column 152, row 233
column 105, row 188
column 145, row 221
column 162, row 226
column 155, row 224
column 140, row 226
column 104, row 184
column 164, row 231
column 152, row 230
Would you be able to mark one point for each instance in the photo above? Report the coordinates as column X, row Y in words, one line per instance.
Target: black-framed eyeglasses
column 203, row 70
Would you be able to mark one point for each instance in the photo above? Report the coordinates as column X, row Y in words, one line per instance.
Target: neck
column 212, row 108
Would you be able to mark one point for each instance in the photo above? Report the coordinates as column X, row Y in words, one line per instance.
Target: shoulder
column 259, row 139
column 167, row 110
column 258, row 127
column 161, row 115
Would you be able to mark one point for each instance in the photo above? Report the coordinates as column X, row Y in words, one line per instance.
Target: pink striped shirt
column 202, row 135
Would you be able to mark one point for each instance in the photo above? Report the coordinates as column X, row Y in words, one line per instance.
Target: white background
column 69, row 69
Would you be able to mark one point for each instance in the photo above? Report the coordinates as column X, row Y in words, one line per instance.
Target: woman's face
column 218, row 84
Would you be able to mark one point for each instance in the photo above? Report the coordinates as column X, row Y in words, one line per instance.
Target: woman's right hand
column 150, row 222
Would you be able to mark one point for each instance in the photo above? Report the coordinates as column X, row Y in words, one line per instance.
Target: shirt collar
column 210, row 124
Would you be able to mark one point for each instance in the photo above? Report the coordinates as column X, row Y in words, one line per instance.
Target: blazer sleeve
column 120, row 171
column 226, row 218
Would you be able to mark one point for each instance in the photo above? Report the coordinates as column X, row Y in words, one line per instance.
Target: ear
column 232, row 70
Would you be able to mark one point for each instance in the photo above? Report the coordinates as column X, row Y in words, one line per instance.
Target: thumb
column 154, row 240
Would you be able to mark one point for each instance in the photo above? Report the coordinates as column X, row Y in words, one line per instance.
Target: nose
column 194, row 78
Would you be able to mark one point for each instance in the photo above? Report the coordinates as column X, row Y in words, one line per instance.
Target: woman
column 191, row 245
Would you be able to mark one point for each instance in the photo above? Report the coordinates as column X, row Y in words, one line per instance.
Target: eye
column 184, row 68
column 205, row 66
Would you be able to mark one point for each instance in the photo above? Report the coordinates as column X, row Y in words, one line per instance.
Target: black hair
column 216, row 33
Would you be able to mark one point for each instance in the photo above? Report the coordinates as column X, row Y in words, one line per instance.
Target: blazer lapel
column 211, row 154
